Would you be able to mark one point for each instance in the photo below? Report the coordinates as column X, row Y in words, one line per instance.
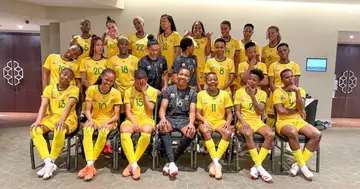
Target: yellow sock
column 262, row 154
column 142, row 144
column 39, row 142
column 100, row 142
column 58, row 143
column 299, row 157
column 88, row 143
column 255, row 156
column 306, row 154
column 210, row 146
column 270, row 122
column 223, row 144
column 128, row 147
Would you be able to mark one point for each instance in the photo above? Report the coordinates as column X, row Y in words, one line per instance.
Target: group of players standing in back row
column 136, row 72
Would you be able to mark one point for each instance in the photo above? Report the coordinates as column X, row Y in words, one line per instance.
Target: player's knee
column 125, row 129
column 248, row 134
column 317, row 135
column 206, row 133
column 293, row 134
column 269, row 135
column 147, row 129
column 227, row 135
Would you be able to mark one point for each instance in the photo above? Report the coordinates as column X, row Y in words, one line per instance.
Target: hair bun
column 150, row 37
column 93, row 35
column 108, row 18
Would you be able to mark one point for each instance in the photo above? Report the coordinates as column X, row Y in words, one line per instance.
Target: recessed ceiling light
column 351, row 37
column 20, row 26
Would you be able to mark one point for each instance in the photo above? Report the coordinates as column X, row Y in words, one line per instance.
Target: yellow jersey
column 222, row 69
column 58, row 99
column 243, row 57
column 125, row 71
column 199, row 51
column 168, row 45
column 276, row 68
column 288, row 100
column 270, row 55
column 102, row 103
column 231, row 47
column 243, row 66
column 243, row 99
column 56, row 64
column 93, row 68
column 85, row 44
column 112, row 48
column 136, row 100
column 213, row 107
column 138, row 46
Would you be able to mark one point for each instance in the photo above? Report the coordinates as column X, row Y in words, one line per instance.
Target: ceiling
column 350, row 2
column 344, row 37
column 11, row 22
column 74, row 3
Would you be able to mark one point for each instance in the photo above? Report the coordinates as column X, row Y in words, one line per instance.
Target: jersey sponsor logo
column 132, row 97
column 183, row 65
column 283, row 97
column 221, row 101
column 112, row 100
column 186, row 97
column 242, row 99
column 53, row 96
column 212, row 66
column 148, row 67
column 204, row 102
column 172, row 95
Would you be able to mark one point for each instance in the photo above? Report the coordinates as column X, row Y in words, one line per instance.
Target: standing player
column 139, row 103
column 289, row 102
column 55, row 63
column 60, row 99
column 275, row 79
column 249, row 104
column 222, row 66
column 250, row 64
column 169, row 40
column 213, row 111
column 202, row 48
column 269, row 53
column 177, row 113
column 187, row 60
column 110, row 38
column 155, row 66
column 247, row 34
column 84, row 40
column 232, row 50
column 102, row 112
column 138, row 40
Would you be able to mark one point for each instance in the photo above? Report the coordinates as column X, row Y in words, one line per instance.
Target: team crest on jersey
column 148, row 67
column 116, row 64
column 132, row 97
column 221, row 101
column 112, row 100
column 242, row 99
column 172, row 95
column 53, row 96
column 183, row 64
column 161, row 66
column 186, row 97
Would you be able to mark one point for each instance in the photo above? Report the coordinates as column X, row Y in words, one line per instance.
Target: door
column 346, row 102
column 22, row 73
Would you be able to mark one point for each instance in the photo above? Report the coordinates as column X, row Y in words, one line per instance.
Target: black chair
column 258, row 139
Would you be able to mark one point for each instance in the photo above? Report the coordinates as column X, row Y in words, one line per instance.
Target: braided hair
column 106, row 71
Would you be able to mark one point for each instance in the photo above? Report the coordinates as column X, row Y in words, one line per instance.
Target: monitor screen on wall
column 316, row 64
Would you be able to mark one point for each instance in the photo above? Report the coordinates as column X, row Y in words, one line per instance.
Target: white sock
column 89, row 163
column 216, row 161
column 134, row 165
column 47, row 161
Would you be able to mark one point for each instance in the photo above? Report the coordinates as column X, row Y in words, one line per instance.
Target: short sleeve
column 242, row 68
column 127, row 96
column 165, row 68
column 136, row 62
column 263, row 97
column 48, row 61
column 118, row 100
column 193, row 97
column 77, row 71
column 82, row 65
column 142, row 65
column 166, row 93
column 207, row 66
column 237, row 97
column 271, row 71
column 302, row 93
column 213, row 46
column 176, row 65
column 237, row 45
column 263, row 52
column 74, row 93
column 199, row 102
column 177, row 39
column 110, row 64
column 297, row 70
column 89, row 94
column 227, row 100
column 131, row 41
column 153, row 96
column 277, row 97
column 257, row 49
column 232, row 68
column 47, row 92
column 263, row 69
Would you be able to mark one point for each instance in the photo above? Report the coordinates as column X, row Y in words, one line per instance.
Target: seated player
column 250, row 64
column 187, row 60
column 139, row 103
column 249, row 106
column 60, row 99
column 222, row 66
column 177, row 113
column 102, row 112
column 213, row 111
column 289, row 102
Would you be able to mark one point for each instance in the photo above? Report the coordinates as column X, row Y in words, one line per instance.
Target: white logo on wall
column 13, row 73
column 347, row 82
